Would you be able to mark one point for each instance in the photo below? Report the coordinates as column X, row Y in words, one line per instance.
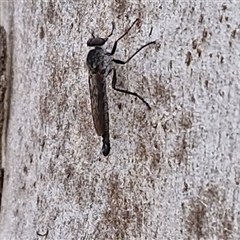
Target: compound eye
column 96, row 42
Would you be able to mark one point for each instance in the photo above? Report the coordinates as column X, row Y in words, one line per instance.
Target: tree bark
column 172, row 173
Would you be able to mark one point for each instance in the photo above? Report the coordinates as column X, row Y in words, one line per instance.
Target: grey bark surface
column 172, row 173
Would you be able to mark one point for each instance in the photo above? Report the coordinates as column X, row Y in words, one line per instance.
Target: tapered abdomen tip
column 106, row 148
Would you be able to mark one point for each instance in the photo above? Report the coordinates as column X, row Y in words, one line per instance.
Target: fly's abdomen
column 99, row 104
column 96, row 87
column 106, row 146
column 97, row 62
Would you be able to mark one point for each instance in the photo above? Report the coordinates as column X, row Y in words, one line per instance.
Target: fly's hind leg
column 114, row 80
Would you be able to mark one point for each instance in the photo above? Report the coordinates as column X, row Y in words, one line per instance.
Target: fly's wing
column 97, row 90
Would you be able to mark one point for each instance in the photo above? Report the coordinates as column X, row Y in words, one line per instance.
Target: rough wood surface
column 172, row 173
column 3, row 93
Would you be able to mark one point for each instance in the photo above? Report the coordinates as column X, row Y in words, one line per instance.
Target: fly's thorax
column 107, row 63
column 95, row 60
column 99, row 61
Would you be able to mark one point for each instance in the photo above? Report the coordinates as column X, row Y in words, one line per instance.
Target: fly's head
column 98, row 41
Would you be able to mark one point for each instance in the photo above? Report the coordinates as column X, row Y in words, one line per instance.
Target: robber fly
column 100, row 64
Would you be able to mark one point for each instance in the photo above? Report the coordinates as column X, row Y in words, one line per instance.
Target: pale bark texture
column 172, row 173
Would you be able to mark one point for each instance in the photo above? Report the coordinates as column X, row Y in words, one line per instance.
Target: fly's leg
column 124, row 62
column 114, row 80
column 113, row 27
column 115, row 44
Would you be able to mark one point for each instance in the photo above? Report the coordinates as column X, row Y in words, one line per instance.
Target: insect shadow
column 100, row 64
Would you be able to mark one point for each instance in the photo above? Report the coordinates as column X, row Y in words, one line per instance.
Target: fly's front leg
column 124, row 62
column 114, row 80
column 115, row 44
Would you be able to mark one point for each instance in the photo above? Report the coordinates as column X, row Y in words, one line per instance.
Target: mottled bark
column 173, row 172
